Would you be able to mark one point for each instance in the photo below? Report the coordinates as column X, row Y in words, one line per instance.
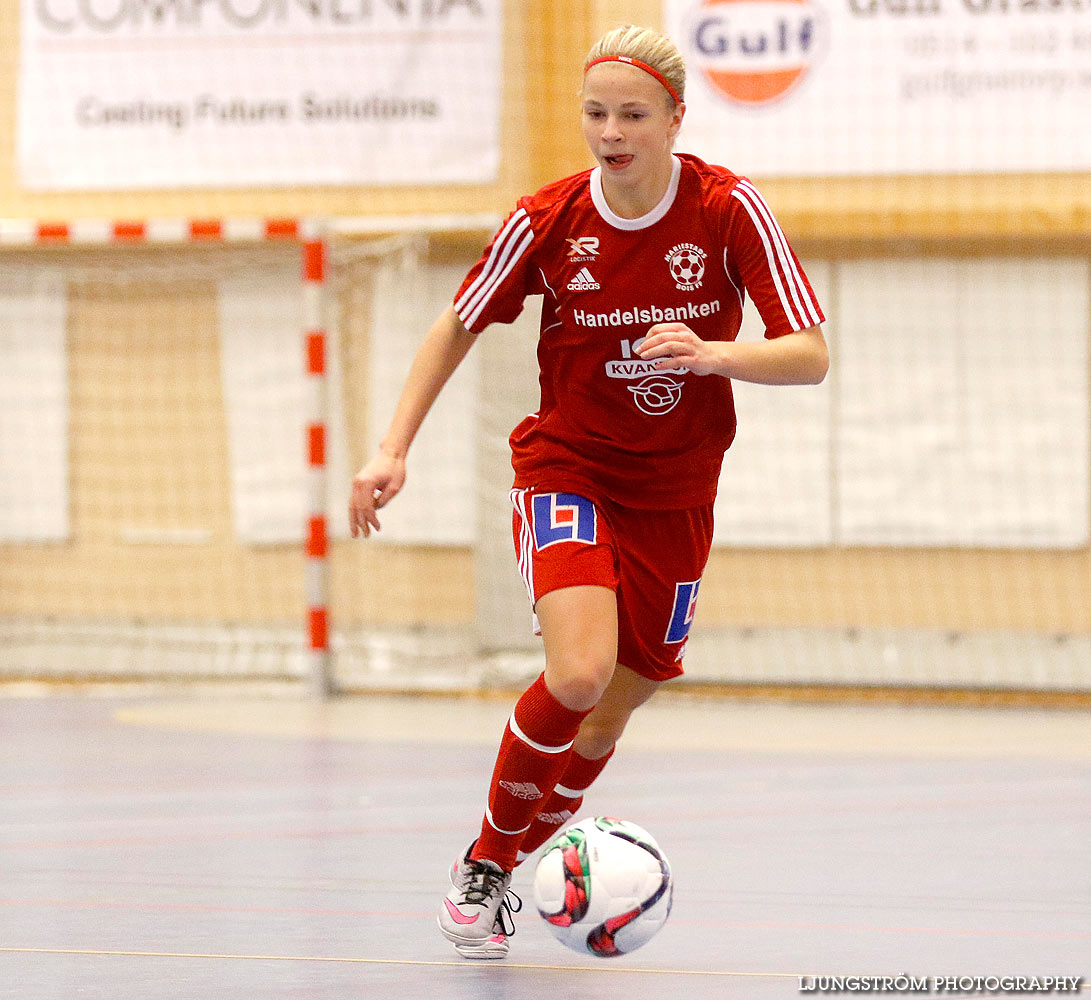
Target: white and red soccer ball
column 603, row 887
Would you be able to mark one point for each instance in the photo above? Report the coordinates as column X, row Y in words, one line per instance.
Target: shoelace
column 505, row 922
column 488, row 882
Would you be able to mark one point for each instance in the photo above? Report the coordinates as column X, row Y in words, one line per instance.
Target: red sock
column 567, row 797
column 533, row 755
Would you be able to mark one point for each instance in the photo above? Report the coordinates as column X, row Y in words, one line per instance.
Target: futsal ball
column 603, row 887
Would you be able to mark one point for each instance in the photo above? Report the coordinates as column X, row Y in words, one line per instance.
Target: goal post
column 208, row 387
column 114, row 337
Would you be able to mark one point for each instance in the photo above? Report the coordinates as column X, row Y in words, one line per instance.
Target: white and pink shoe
column 476, row 915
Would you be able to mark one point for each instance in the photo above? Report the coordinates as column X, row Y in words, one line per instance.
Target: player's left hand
column 675, row 345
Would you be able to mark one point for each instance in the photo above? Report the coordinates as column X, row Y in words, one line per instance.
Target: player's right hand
column 373, row 487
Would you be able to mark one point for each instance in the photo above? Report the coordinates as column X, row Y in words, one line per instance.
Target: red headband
column 639, row 65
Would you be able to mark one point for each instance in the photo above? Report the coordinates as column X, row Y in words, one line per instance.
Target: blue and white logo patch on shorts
column 685, row 604
column 563, row 517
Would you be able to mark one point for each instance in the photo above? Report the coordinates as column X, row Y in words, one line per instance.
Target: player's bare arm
column 801, row 358
column 380, row 480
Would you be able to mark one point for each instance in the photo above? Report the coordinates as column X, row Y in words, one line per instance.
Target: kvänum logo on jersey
column 647, row 314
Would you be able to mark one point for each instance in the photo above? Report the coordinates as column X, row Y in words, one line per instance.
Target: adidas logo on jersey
column 584, row 281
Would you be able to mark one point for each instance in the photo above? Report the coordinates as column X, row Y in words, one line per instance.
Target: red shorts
column 652, row 560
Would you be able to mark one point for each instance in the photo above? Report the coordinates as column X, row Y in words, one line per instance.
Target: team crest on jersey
column 657, row 394
column 582, row 248
column 687, row 265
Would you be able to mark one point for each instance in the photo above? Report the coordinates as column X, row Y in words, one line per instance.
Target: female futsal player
column 642, row 264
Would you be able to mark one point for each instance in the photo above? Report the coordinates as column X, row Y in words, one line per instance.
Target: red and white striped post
column 310, row 235
column 77, row 232
column 315, row 341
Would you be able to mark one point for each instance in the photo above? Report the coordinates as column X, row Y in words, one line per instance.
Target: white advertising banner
column 839, row 87
column 225, row 93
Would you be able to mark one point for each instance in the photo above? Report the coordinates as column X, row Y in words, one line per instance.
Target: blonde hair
column 647, row 46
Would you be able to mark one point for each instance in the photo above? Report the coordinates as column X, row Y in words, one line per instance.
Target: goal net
column 920, row 519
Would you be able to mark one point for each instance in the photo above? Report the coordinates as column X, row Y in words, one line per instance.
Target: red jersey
column 611, row 425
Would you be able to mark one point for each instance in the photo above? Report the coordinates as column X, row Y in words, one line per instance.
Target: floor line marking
column 407, row 915
column 392, row 961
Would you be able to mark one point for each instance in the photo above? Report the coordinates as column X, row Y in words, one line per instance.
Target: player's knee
column 598, row 734
column 578, row 682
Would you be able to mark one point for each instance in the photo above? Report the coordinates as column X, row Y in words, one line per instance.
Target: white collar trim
column 650, row 218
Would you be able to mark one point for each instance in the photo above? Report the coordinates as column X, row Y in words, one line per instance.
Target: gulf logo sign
column 754, row 52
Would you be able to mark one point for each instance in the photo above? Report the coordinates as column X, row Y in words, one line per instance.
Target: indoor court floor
column 192, row 845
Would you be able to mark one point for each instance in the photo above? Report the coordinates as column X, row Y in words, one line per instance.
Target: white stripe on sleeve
column 497, row 246
column 773, row 269
column 507, row 248
column 792, row 273
column 498, row 279
column 797, row 303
